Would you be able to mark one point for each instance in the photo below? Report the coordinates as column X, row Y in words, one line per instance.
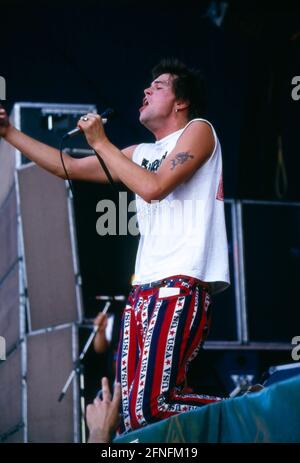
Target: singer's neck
column 163, row 130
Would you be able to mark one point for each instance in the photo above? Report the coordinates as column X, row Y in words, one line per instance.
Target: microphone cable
column 101, row 162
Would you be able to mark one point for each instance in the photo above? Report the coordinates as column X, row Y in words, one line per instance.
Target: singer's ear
column 182, row 104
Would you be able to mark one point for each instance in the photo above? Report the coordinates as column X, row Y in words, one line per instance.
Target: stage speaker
column 49, row 252
column 9, row 309
column 8, row 233
column 272, row 270
column 9, row 271
column 50, row 356
column 11, row 400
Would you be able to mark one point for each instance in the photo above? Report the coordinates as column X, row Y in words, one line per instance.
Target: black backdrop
column 101, row 52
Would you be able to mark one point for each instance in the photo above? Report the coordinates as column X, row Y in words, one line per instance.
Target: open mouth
column 145, row 103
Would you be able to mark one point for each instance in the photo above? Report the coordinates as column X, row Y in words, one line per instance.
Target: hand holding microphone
column 91, row 125
column 90, row 118
column 101, row 322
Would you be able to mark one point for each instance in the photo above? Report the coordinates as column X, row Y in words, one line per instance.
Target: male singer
column 182, row 257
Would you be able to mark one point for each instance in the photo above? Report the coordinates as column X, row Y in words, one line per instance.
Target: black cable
column 107, row 173
column 63, row 164
column 102, row 164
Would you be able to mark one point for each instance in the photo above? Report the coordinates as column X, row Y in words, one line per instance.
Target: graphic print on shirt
column 154, row 165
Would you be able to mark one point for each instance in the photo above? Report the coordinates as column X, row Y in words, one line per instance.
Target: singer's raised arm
column 48, row 157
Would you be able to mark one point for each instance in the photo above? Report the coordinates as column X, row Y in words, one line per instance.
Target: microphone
column 107, row 114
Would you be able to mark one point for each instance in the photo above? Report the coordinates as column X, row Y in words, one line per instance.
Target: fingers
column 93, row 116
column 88, row 119
column 105, row 390
column 4, row 121
column 97, row 401
column 106, row 403
column 89, row 409
column 2, row 112
column 117, row 394
column 101, row 316
column 101, row 320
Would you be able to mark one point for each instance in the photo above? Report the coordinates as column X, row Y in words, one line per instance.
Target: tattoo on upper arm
column 180, row 158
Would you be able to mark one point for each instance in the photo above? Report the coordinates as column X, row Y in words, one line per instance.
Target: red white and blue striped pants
column 159, row 337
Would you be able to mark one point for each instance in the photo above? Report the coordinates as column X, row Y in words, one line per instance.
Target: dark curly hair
column 188, row 84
